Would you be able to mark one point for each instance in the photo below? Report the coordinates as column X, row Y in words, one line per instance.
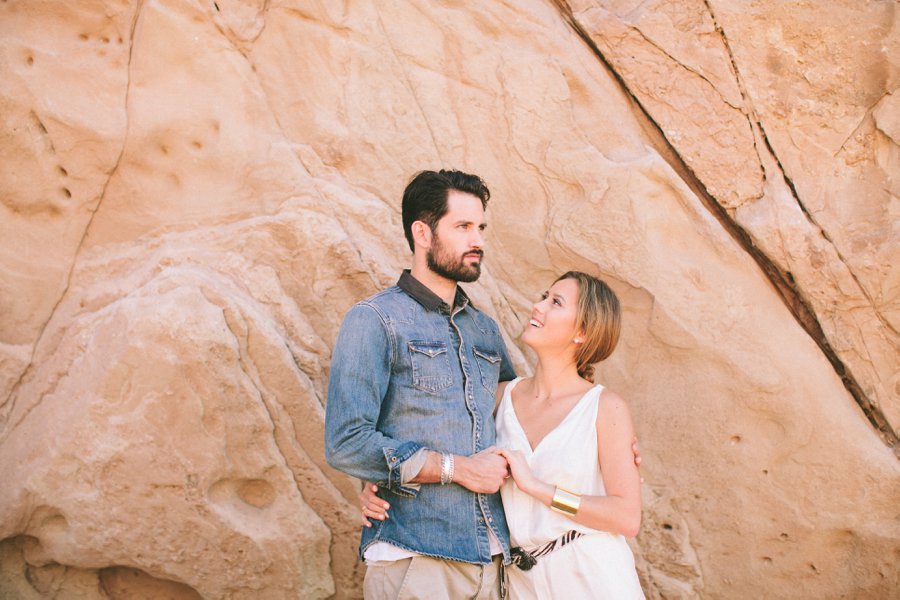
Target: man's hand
column 482, row 473
column 637, row 456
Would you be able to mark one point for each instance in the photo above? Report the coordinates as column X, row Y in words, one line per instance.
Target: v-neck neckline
column 515, row 415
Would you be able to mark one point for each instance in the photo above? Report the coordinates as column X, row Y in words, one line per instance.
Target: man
column 410, row 399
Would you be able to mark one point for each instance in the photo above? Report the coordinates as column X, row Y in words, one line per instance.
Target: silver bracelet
column 452, row 468
column 446, row 468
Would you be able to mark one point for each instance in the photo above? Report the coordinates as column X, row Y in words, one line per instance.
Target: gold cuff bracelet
column 565, row 502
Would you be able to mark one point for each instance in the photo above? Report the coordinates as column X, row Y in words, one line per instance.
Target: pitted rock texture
column 194, row 193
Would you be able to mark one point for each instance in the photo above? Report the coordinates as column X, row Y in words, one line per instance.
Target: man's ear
column 421, row 234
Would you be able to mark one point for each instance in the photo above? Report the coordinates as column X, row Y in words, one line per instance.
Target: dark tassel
column 522, row 558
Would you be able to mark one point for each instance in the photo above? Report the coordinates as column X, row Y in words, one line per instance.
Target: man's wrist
column 411, row 468
column 431, row 470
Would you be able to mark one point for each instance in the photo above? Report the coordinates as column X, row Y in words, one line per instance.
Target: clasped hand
column 482, row 473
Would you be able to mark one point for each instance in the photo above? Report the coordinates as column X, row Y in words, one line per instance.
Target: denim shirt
column 408, row 373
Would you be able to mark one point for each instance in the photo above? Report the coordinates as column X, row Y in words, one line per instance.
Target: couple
column 411, row 401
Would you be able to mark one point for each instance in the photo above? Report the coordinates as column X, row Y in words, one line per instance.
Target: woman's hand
column 518, row 467
column 372, row 506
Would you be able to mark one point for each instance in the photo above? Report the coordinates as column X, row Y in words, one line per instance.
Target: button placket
column 471, row 406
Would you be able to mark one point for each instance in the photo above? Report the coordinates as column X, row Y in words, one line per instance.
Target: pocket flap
column 430, row 349
column 491, row 357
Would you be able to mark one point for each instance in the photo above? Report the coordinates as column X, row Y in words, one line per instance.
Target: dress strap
column 512, row 383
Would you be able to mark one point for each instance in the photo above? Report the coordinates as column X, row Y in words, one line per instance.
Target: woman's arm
column 620, row 510
column 372, row 506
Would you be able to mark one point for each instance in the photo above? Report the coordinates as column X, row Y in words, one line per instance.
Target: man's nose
column 477, row 239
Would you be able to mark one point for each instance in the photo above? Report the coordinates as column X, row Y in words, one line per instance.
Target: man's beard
column 443, row 263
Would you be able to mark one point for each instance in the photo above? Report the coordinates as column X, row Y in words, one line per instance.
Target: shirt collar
column 424, row 296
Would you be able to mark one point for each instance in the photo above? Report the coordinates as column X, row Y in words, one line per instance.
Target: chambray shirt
column 407, row 373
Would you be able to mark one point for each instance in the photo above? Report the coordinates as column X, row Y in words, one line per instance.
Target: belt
column 526, row 559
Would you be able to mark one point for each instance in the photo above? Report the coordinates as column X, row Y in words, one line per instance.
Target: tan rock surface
column 234, row 171
column 796, row 106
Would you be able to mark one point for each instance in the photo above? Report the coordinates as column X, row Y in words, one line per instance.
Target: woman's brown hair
column 599, row 317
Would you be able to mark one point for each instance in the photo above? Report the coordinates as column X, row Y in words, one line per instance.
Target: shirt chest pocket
column 430, row 366
column 489, row 366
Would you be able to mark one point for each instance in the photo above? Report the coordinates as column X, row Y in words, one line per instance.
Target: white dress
column 597, row 565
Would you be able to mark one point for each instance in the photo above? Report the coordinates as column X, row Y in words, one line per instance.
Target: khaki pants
column 432, row 579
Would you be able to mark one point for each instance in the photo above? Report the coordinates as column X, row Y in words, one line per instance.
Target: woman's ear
column 421, row 234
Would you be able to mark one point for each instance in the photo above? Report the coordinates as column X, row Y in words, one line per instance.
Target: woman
column 575, row 489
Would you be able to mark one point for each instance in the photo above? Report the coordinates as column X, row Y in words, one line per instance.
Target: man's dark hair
column 425, row 198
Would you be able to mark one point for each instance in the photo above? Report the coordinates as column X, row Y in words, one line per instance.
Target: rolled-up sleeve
column 360, row 374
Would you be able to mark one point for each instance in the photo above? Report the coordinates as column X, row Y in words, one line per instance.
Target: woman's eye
column 557, row 302
column 544, row 296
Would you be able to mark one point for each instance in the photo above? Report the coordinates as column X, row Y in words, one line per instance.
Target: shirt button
column 393, row 459
column 491, row 520
column 480, row 520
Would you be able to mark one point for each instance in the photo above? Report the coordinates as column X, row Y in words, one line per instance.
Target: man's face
column 456, row 246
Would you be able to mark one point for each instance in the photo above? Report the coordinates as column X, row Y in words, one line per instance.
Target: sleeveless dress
column 596, row 565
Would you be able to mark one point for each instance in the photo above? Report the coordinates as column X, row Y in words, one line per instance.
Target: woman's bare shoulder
column 611, row 405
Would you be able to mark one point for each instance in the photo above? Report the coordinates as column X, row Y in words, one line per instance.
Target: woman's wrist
column 541, row 491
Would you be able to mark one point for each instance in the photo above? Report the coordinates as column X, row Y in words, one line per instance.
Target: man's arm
column 360, row 373
column 507, row 372
column 482, row 473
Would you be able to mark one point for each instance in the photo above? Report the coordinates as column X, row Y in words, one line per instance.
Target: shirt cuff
column 396, row 458
column 412, row 467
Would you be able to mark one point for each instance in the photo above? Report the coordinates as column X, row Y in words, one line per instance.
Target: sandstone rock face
column 194, row 193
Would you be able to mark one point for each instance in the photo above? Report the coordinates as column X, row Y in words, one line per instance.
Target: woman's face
column 553, row 318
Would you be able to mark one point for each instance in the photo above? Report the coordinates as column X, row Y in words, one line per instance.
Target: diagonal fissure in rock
column 409, row 85
column 684, row 66
column 757, row 124
column 873, row 413
column 68, row 280
column 782, row 281
column 812, row 220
